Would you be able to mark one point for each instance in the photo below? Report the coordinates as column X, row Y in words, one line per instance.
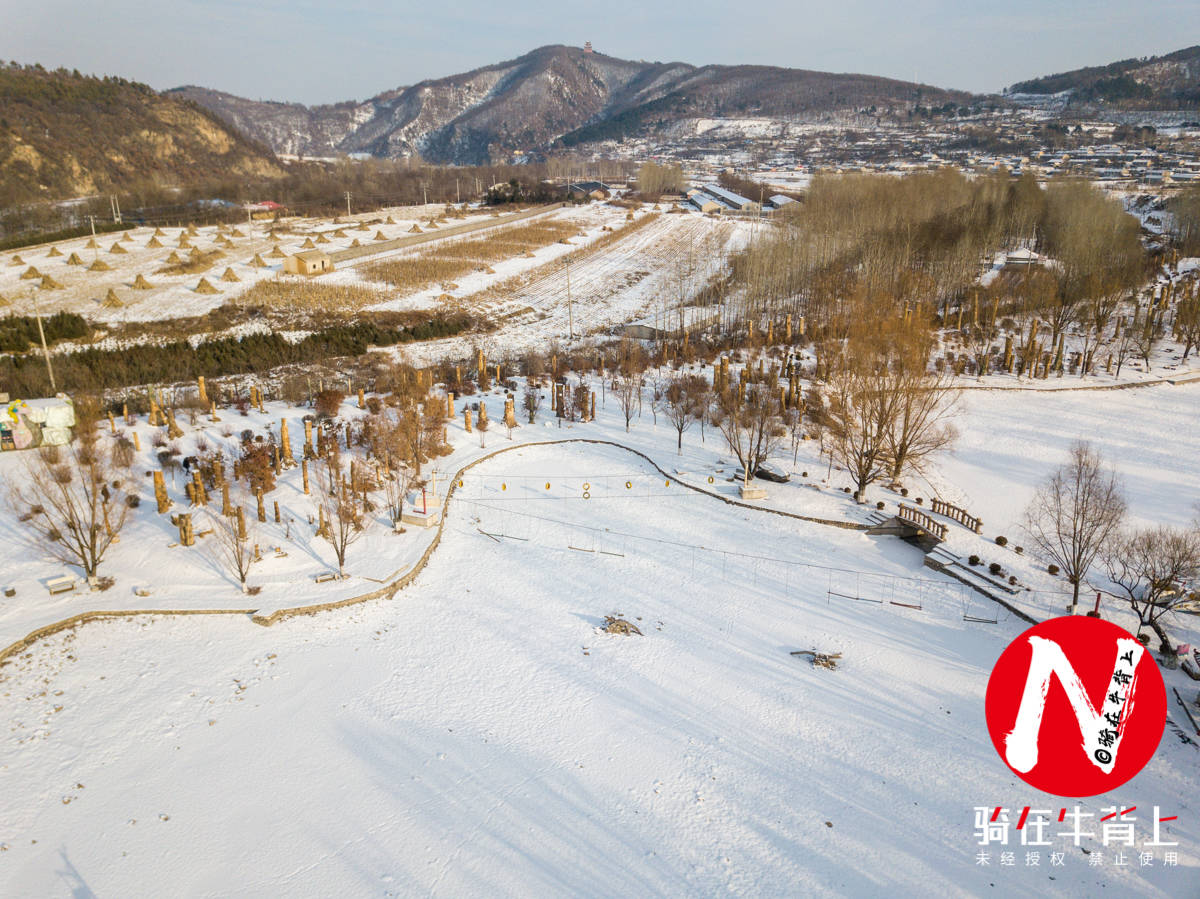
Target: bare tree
column 1075, row 513
column 917, row 427
column 681, row 400
column 1150, row 567
column 229, row 547
column 752, row 429
column 628, row 389
column 344, row 520
column 860, row 419
column 74, row 498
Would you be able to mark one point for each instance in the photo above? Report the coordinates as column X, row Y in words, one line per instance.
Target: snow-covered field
column 478, row 735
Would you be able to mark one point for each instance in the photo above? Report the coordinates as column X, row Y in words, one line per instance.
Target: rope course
column 901, row 594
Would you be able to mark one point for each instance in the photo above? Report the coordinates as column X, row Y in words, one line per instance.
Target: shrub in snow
column 1012, row 578
column 994, row 568
column 920, row 501
column 1053, row 569
column 1018, row 549
column 973, row 560
column 1002, row 541
column 879, row 505
column 904, row 491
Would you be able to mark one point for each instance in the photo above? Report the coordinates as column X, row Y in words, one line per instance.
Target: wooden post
column 593, row 416
column 308, row 444
column 285, row 441
column 199, row 493
column 277, row 511
column 212, row 411
column 483, row 414
column 262, row 511
column 187, row 534
column 225, row 510
column 787, row 328
column 203, row 391
column 304, row 471
column 241, row 523
column 362, row 400
column 112, row 424
column 450, row 405
column 137, row 442
column 160, row 493
column 467, row 419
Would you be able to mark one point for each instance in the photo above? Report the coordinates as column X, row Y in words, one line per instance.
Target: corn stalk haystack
column 321, row 238
column 111, row 300
column 30, row 273
column 174, row 259
column 117, row 249
column 184, row 243
column 308, row 244
column 379, row 235
column 3, row 301
column 54, row 251
column 363, row 226
column 415, row 229
column 228, row 244
column 236, row 233
column 126, row 236
column 258, row 261
column 277, row 253
column 154, row 243
column 159, row 232
column 529, row 254
column 615, row 625
column 99, row 266
column 356, row 242
column 49, row 283
column 339, row 234
column 74, row 259
column 230, row 275
column 140, row 283
column 446, row 298
column 205, row 287
column 191, row 229
column 390, row 221
column 17, row 260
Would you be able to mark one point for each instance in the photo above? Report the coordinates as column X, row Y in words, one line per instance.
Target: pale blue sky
column 323, row 52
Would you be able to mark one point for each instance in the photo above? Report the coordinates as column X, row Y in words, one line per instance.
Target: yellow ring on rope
column 547, row 485
column 667, row 482
column 586, row 495
column 503, row 486
column 710, row 479
column 586, row 486
column 629, row 485
column 460, row 482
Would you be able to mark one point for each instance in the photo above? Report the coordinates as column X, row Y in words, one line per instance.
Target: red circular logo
column 1076, row 706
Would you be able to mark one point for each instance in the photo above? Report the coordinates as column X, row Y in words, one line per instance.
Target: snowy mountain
column 553, row 93
column 1164, row 82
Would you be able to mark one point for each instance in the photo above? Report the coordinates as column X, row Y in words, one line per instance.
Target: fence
column 962, row 516
column 923, row 520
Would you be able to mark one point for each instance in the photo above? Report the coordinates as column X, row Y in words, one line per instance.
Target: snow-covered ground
column 478, row 735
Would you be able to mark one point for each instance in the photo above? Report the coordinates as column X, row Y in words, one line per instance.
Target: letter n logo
column 1076, row 706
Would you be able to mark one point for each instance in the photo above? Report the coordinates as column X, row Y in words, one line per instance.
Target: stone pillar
column 308, row 444
column 203, row 391
column 510, row 418
column 212, row 411
column 187, row 533
column 173, row 429
column 199, row 493
column 160, row 493
column 480, row 365
column 467, row 420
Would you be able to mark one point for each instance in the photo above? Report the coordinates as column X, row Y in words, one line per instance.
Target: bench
column 62, row 584
column 327, row 576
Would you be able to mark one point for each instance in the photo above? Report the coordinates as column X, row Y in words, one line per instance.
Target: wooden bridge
column 962, row 516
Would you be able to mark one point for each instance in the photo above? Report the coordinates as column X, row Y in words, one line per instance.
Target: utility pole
column 570, row 308
column 112, row 205
column 92, row 219
column 41, row 333
column 424, row 195
column 457, row 192
column 347, row 204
